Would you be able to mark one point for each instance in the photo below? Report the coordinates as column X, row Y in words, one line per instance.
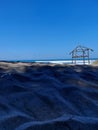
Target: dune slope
column 48, row 97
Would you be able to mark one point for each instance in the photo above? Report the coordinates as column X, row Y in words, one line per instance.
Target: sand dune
column 35, row 96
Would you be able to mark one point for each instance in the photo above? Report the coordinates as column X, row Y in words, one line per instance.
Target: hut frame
column 81, row 52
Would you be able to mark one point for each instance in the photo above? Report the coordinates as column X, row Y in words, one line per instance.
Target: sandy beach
column 36, row 96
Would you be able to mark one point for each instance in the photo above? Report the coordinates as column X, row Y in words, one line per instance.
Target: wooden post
column 72, row 58
column 83, row 57
column 75, row 57
column 88, row 58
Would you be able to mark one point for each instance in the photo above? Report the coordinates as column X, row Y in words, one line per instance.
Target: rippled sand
column 36, row 96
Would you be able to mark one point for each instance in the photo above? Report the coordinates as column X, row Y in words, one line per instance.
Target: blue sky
column 41, row 29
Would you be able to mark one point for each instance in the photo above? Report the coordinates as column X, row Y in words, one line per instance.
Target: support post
column 83, row 57
column 88, row 58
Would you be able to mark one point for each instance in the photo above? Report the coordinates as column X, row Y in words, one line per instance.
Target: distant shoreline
column 56, row 61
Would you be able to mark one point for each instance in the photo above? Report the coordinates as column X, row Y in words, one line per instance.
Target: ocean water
column 66, row 61
column 58, row 61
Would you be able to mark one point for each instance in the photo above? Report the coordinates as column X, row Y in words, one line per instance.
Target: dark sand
column 36, row 96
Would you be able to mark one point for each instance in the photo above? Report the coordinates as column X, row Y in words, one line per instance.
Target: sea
column 57, row 61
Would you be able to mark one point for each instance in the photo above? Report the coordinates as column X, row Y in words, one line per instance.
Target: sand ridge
column 35, row 96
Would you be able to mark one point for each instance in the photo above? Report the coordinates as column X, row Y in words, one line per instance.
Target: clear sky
column 41, row 29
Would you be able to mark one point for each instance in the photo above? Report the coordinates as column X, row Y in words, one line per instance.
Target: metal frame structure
column 81, row 52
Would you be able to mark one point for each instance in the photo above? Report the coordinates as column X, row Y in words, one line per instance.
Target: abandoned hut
column 81, row 52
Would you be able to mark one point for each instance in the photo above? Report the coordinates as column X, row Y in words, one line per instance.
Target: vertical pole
column 75, row 60
column 83, row 58
column 72, row 60
column 88, row 58
column 75, row 57
column 72, row 57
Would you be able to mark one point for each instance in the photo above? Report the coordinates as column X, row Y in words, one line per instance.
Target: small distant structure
column 81, row 52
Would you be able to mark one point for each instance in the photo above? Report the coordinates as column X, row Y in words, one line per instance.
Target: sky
column 47, row 29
